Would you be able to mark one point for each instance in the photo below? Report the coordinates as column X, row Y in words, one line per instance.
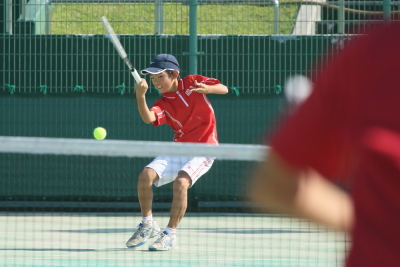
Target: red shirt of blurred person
column 355, row 110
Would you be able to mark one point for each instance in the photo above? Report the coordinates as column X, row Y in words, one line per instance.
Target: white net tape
column 122, row 148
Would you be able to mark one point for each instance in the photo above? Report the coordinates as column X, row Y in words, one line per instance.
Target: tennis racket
column 121, row 51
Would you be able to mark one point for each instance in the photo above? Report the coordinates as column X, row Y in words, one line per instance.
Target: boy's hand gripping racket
column 120, row 49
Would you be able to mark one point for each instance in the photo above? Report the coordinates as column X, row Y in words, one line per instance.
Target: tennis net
column 74, row 202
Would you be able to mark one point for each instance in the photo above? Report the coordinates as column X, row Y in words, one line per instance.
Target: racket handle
column 135, row 75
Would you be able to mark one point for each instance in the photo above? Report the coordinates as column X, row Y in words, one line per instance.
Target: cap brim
column 151, row 70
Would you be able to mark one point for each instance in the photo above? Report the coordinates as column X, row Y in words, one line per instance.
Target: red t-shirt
column 353, row 115
column 189, row 114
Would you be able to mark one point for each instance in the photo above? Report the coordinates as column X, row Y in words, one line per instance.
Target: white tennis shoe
column 164, row 242
column 143, row 233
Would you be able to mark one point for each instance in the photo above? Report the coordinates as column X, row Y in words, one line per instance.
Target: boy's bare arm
column 147, row 115
column 210, row 89
column 281, row 188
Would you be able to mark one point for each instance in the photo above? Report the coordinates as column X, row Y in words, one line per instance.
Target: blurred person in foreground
column 348, row 127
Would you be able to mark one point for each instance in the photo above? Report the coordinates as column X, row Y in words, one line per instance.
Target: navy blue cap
column 160, row 63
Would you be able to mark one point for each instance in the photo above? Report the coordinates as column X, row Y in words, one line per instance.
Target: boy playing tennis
column 185, row 107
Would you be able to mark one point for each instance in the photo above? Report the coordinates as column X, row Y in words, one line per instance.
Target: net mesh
column 68, row 202
column 73, row 202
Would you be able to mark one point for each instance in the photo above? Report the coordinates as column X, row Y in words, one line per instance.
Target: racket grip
column 135, row 75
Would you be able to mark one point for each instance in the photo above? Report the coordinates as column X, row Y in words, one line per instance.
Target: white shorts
column 167, row 168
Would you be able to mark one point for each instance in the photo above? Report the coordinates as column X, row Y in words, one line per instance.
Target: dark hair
column 171, row 73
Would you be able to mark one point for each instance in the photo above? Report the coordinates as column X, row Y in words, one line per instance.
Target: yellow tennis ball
column 99, row 133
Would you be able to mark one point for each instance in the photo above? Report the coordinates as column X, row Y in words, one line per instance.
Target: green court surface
column 98, row 239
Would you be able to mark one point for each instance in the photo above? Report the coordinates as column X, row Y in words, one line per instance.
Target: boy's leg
column 179, row 201
column 167, row 239
column 146, row 229
column 188, row 173
column 145, row 190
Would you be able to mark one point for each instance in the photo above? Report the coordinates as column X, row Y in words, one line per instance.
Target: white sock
column 148, row 219
column 170, row 230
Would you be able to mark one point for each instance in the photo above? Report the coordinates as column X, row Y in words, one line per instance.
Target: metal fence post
column 193, row 53
column 23, row 9
column 47, row 17
column 341, row 17
column 159, row 16
column 386, row 10
column 9, row 17
column 193, row 37
column 276, row 16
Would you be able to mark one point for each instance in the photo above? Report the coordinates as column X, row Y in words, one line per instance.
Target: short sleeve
column 206, row 80
column 160, row 115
